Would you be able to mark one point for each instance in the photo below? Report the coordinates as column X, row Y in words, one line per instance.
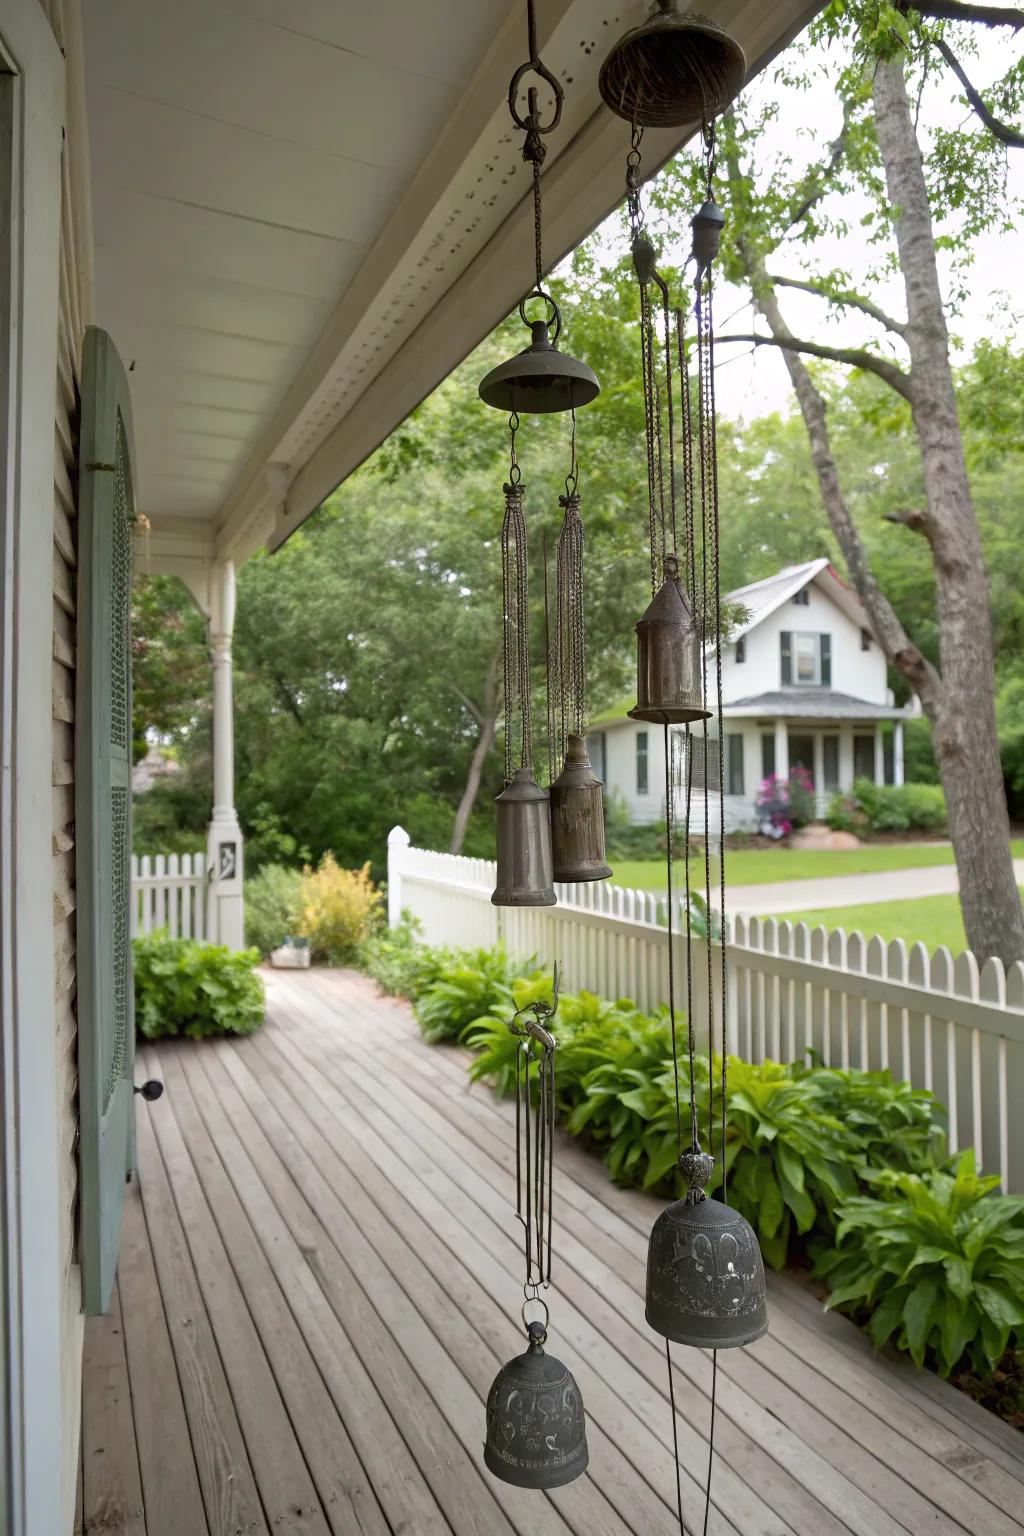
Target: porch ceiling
column 306, row 214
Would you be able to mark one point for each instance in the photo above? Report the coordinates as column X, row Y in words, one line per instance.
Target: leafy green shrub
column 472, row 983
column 627, row 839
column 936, row 1265
column 888, row 808
column 398, row 962
column 337, row 910
column 273, row 907
column 186, row 988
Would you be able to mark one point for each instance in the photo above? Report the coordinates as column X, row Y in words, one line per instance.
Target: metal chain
column 516, row 631
column 572, row 669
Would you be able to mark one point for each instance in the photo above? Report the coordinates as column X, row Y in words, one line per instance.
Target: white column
column 897, row 752
column 224, row 838
column 781, row 750
column 398, row 841
column 846, row 757
column 879, row 753
column 819, row 773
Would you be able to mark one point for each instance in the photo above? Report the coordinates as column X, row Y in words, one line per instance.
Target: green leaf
column 917, row 1315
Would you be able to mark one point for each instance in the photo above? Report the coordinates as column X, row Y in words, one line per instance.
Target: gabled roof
column 761, row 598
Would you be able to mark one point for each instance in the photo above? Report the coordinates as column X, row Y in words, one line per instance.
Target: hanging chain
column 554, row 682
column 516, row 630
column 571, row 622
column 534, row 148
column 535, row 1137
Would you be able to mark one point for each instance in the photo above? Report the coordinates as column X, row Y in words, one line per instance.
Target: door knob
column 150, row 1090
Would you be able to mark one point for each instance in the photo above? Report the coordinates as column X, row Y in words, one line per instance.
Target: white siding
column 621, row 774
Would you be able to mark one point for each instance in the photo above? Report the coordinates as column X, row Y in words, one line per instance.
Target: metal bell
column 705, row 1277
column 540, row 380
column 707, row 225
column 668, row 675
column 577, row 818
column 524, row 845
column 672, row 70
column 536, row 1428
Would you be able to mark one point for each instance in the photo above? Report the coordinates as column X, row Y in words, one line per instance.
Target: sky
column 753, row 382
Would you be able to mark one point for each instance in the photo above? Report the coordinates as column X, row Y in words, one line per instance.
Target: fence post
column 398, row 840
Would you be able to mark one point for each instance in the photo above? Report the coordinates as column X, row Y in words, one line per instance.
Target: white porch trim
column 224, row 838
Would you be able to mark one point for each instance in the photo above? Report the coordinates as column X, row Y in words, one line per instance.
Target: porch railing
column 937, row 1021
column 173, row 891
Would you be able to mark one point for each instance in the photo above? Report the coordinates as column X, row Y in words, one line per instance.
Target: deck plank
column 111, row 1485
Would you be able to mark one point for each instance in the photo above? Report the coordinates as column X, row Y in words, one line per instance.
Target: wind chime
column 705, row 1277
column 542, row 836
column 536, row 1427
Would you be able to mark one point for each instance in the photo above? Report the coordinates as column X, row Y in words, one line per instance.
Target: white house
column 803, row 681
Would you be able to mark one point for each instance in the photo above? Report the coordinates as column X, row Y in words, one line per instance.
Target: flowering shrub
column 337, row 910
column 783, row 805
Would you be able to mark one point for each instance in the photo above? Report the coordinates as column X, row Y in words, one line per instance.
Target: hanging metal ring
column 536, row 1301
column 554, row 317
column 539, row 68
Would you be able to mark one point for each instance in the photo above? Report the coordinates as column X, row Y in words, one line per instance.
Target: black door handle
column 152, row 1089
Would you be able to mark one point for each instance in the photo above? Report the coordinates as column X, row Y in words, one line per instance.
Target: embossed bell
column 536, row 1428
column 524, row 845
column 577, row 818
column 668, row 677
column 705, row 1277
column 672, row 69
column 540, row 380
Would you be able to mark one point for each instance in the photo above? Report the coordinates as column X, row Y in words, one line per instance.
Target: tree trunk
column 966, row 743
column 484, row 743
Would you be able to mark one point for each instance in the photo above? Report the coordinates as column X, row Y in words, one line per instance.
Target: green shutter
column 826, row 661
column 786, row 650
column 103, row 765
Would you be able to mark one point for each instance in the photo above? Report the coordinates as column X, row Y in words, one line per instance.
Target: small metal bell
column 672, row 69
column 707, row 225
column 540, row 380
column 705, row 1277
column 524, row 845
column 536, row 1427
column 577, row 818
column 668, row 676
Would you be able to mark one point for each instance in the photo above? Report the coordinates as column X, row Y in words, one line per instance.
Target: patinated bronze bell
column 577, row 818
column 540, row 380
column 668, row 676
column 536, row 1428
column 705, row 1277
column 524, row 845
column 672, row 69
column 707, row 225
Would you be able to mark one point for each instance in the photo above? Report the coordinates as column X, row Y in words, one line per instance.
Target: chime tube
column 577, row 818
column 524, row 845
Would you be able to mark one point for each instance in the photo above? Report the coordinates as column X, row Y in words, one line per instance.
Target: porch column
column 819, row 774
column 846, row 757
column 781, row 750
column 897, row 752
column 224, row 840
column 879, row 753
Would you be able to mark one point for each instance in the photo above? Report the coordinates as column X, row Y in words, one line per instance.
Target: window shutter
column 786, row 640
column 103, row 764
column 826, row 661
column 734, row 785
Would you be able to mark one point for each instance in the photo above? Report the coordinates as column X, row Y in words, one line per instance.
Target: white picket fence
column 173, row 891
column 936, row 1021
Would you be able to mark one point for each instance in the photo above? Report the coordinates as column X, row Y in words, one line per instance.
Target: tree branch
column 1013, row 138
column 960, row 10
column 817, row 182
column 908, row 517
column 854, row 357
column 845, row 298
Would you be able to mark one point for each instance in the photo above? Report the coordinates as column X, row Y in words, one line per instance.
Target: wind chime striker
column 540, row 380
column 536, row 1426
column 672, row 69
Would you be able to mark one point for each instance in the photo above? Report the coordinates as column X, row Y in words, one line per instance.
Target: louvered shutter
column 103, row 762
column 826, row 661
column 786, row 654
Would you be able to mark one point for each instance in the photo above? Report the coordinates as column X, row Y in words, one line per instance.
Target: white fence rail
column 936, row 1021
column 174, row 892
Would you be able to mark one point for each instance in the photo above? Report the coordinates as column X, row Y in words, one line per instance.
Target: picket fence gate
column 937, row 1021
column 174, row 892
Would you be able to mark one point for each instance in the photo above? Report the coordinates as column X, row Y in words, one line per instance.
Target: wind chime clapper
column 536, row 1426
column 672, row 69
column 540, row 380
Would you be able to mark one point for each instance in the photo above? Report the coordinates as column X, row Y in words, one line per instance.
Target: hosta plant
column 474, row 982
column 935, row 1263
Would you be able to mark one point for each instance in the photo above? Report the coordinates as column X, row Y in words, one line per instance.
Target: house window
column 865, row 640
column 741, row 651
column 596, row 753
column 734, row 764
column 641, row 763
column 806, row 659
column 767, row 755
column 864, row 757
column 803, row 598
column 704, row 768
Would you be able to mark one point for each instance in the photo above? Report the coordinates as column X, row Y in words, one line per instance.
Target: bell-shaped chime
column 577, row 818
column 536, row 1428
column 705, row 1277
column 538, row 380
column 672, row 69
column 668, row 657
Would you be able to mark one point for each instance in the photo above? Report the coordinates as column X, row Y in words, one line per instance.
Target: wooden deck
column 318, row 1280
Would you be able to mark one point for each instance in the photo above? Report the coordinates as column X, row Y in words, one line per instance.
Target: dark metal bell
column 705, row 1277
column 577, row 818
column 540, row 380
column 672, row 69
column 524, row 845
column 536, row 1427
column 707, row 225
column 668, row 674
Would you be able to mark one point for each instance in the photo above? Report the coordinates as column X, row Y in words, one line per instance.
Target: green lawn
column 754, row 866
column 933, row 919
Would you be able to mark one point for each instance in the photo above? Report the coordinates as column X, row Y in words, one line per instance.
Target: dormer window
column 741, row 651
column 803, row 598
column 805, row 659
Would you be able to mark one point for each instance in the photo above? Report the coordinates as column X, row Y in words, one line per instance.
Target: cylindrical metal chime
column 577, row 818
column 668, row 670
column 536, row 1429
column 705, row 1278
column 524, row 845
